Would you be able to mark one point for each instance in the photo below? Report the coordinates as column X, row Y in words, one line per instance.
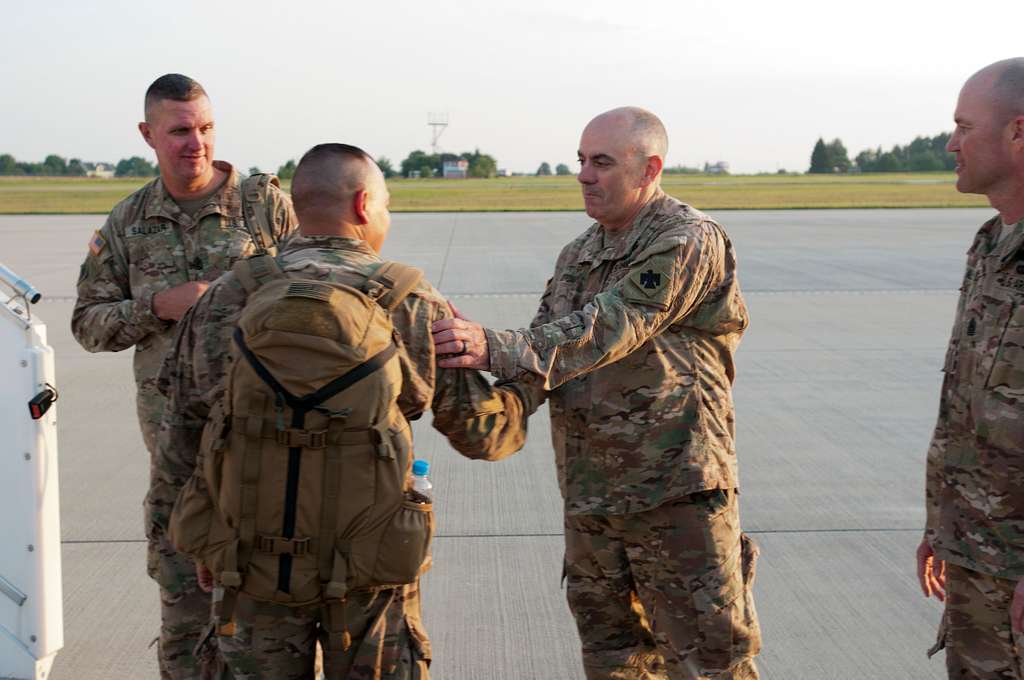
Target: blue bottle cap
column 420, row 468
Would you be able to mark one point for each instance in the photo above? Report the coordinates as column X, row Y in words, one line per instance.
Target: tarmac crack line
column 755, row 532
column 538, row 293
column 448, row 251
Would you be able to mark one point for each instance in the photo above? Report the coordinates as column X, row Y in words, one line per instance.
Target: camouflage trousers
column 184, row 607
column 975, row 629
column 664, row 593
column 184, row 616
column 377, row 636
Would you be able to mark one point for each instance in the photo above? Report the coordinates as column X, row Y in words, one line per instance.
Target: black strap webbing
column 306, row 403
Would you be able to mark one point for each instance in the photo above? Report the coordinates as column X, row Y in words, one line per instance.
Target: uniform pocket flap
column 191, row 518
column 720, row 588
column 1007, row 375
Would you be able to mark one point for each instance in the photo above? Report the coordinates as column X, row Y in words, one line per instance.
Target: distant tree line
column 682, row 170
column 431, row 165
column 56, row 166
column 427, row 165
column 544, row 170
column 924, row 154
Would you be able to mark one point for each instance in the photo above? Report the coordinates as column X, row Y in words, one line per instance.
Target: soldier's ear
column 147, row 133
column 653, row 169
column 360, row 201
column 1017, row 133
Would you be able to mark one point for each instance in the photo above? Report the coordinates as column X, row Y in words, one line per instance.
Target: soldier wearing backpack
column 284, row 454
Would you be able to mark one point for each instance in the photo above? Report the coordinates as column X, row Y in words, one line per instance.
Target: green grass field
column 26, row 195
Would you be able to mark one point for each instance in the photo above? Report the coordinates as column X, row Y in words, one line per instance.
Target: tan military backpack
column 306, row 458
column 255, row 194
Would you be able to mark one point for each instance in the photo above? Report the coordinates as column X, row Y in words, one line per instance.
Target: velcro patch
column 97, row 243
column 310, row 289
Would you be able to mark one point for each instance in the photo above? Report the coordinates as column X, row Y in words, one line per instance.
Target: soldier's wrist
column 495, row 354
column 148, row 303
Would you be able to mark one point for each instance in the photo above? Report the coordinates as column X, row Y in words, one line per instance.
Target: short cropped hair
column 649, row 133
column 323, row 151
column 1008, row 87
column 175, row 87
column 323, row 178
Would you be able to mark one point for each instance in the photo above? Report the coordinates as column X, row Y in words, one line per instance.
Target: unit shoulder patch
column 650, row 282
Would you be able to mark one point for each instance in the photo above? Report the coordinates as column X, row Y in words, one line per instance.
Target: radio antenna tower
column 437, row 122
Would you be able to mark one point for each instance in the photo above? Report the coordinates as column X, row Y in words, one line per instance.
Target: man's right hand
column 931, row 572
column 205, row 577
column 171, row 304
column 460, row 343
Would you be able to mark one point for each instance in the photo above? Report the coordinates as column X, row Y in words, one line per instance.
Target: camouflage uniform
column 148, row 245
column 634, row 341
column 975, row 478
column 276, row 642
column 271, row 641
column 975, row 629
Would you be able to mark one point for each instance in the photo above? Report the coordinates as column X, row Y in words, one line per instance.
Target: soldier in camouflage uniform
column 149, row 262
column 633, row 345
column 972, row 553
column 341, row 199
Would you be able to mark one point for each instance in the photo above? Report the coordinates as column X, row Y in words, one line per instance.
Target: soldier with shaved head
column 633, row 345
column 341, row 200
column 972, row 553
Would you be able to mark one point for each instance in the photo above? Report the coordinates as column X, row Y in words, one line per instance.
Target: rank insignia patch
column 97, row 243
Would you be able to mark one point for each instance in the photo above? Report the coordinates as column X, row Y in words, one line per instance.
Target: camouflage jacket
column 479, row 420
column 634, row 342
column 148, row 245
column 975, row 477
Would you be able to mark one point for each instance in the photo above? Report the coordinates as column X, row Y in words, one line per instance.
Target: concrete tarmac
column 836, row 395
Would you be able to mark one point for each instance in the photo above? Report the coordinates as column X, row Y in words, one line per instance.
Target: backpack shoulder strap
column 255, row 192
column 253, row 272
column 391, row 283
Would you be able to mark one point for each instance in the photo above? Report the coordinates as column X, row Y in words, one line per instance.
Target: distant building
column 503, row 172
column 719, row 168
column 99, row 170
column 456, row 169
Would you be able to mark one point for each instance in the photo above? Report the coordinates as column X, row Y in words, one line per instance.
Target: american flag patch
column 96, row 243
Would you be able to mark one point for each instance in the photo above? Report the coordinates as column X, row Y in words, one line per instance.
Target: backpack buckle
column 231, row 579
column 374, row 289
column 278, row 545
column 309, row 439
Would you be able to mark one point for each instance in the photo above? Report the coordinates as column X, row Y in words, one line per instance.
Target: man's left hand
column 1017, row 608
column 462, row 340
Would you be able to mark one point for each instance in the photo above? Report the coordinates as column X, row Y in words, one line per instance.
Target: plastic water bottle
column 420, row 481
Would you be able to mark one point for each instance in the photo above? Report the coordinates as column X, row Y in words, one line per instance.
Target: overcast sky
column 750, row 83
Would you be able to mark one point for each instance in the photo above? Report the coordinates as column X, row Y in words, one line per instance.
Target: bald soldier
column 972, row 553
column 151, row 260
column 342, row 204
column 633, row 344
